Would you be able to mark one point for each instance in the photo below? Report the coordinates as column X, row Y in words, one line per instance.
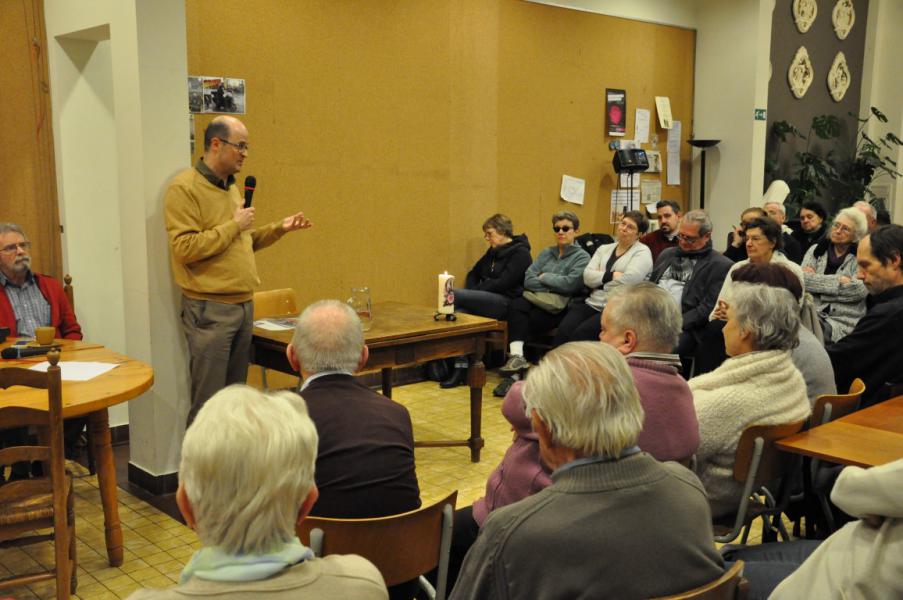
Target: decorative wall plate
column 839, row 77
column 843, row 17
column 800, row 74
column 804, row 13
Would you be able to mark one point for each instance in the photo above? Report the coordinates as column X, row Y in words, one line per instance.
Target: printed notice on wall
column 572, row 189
column 641, row 126
column 616, row 111
column 673, row 149
column 663, row 108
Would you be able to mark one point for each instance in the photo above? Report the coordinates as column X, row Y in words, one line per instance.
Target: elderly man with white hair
column 245, row 481
column 365, row 464
column 642, row 322
column 829, row 270
column 615, row 523
column 869, row 212
column 778, row 212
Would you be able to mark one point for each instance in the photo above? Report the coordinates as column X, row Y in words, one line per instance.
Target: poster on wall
column 616, row 111
column 208, row 94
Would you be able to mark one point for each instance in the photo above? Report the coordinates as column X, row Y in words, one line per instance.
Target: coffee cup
column 44, row 335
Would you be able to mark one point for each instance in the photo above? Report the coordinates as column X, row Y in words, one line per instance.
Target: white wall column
column 118, row 85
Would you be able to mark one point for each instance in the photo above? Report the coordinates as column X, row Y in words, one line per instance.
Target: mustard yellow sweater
column 211, row 258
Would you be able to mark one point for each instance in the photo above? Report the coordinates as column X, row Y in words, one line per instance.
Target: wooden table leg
column 476, row 379
column 387, row 382
column 99, row 430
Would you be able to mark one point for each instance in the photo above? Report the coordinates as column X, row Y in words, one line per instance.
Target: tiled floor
column 157, row 546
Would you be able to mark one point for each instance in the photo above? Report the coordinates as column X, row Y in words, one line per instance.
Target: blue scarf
column 213, row 564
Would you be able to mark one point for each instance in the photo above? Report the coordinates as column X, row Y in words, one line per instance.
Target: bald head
column 328, row 337
column 871, row 214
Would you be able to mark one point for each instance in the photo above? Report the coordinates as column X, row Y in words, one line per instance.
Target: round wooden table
column 91, row 398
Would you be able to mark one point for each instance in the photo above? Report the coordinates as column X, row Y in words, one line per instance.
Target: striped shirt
column 29, row 305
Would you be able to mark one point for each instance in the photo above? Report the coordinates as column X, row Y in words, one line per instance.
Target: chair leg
column 829, row 514
column 263, row 378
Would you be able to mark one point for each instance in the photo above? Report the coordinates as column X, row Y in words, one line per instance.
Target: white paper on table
column 274, row 324
column 626, row 180
column 673, row 168
column 572, row 189
column 674, row 138
column 663, row 108
column 655, row 161
column 77, row 371
column 641, row 126
column 650, row 193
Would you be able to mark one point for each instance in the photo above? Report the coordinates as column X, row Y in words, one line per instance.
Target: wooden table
column 865, row 438
column 403, row 334
column 92, row 398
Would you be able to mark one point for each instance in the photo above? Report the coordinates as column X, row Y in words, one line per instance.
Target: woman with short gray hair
column 757, row 385
column 829, row 270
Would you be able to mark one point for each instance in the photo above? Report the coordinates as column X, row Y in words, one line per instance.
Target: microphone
column 24, row 351
column 250, row 184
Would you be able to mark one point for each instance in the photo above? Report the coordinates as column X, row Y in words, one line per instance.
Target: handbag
column 548, row 301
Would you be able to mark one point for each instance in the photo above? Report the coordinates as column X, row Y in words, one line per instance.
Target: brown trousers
column 219, row 343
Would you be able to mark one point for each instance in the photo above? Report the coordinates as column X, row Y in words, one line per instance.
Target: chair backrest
column 402, row 547
column 772, row 463
column 275, row 303
column 833, row 406
column 730, row 586
column 49, row 422
column 67, row 289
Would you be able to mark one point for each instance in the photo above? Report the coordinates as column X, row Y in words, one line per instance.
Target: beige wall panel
column 398, row 127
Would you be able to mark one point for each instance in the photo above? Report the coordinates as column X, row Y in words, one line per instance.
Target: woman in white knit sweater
column 757, row 385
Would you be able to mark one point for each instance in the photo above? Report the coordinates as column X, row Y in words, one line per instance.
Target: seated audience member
column 777, row 212
column 861, row 560
column 365, row 459
column 692, row 273
column 757, row 385
column 520, row 474
column 809, row 356
column 624, row 261
column 245, row 480
column 554, row 277
column 29, row 300
column 882, row 217
column 872, row 350
column 870, row 212
column 829, row 270
column 813, row 225
column 496, row 279
column 589, row 533
column 668, row 212
column 736, row 239
column 642, row 322
column 763, row 245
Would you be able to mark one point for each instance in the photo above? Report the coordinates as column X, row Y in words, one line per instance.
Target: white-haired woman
column 245, row 480
column 829, row 269
column 757, row 385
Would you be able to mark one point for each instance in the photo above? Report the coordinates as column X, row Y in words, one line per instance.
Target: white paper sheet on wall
column 663, row 108
column 641, row 126
column 673, row 148
column 572, row 189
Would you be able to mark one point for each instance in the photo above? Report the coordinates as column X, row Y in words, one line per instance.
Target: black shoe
column 457, row 377
column 437, row 370
column 502, row 388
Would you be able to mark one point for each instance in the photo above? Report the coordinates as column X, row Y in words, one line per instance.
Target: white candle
column 446, row 290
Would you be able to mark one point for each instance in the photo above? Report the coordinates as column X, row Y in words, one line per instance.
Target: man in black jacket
column 693, row 272
column 872, row 351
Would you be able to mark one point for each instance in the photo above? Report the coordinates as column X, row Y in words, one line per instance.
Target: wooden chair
column 403, row 547
column 67, row 289
column 274, row 303
column 730, row 586
column 39, row 503
column 829, row 407
column 758, row 462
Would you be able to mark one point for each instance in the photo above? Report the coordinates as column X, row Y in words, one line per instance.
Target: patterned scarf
column 213, row 564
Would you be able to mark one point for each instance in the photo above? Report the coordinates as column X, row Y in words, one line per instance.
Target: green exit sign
column 760, row 114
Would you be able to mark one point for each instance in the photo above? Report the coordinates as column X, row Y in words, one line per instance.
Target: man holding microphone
column 212, row 240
